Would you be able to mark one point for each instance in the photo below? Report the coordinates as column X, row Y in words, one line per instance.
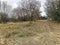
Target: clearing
column 30, row 33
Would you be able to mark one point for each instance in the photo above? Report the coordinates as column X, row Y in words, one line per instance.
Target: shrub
column 3, row 17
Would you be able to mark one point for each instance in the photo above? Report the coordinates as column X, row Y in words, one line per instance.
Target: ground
column 41, row 32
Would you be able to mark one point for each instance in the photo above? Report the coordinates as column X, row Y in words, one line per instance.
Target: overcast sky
column 13, row 3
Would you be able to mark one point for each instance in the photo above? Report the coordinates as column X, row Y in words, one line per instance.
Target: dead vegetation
column 24, row 33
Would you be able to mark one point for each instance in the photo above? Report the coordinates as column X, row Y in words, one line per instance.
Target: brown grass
column 30, row 33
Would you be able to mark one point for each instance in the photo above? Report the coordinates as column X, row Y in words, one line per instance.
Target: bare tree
column 0, row 6
column 4, row 7
column 29, row 9
column 53, row 10
column 4, row 10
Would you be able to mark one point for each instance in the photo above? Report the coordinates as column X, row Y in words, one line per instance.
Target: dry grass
column 30, row 33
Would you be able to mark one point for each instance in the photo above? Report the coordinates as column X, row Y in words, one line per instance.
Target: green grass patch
column 18, row 33
column 24, row 33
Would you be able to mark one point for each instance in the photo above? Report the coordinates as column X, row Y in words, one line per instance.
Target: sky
column 13, row 3
column 42, row 7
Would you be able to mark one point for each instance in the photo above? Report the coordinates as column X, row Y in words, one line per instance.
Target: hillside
column 30, row 33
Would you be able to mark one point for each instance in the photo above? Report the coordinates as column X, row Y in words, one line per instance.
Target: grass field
column 30, row 33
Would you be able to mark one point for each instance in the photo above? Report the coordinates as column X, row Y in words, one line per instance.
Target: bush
column 3, row 17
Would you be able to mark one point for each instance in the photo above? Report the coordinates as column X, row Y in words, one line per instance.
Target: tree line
column 53, row 10
column 29, row 10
